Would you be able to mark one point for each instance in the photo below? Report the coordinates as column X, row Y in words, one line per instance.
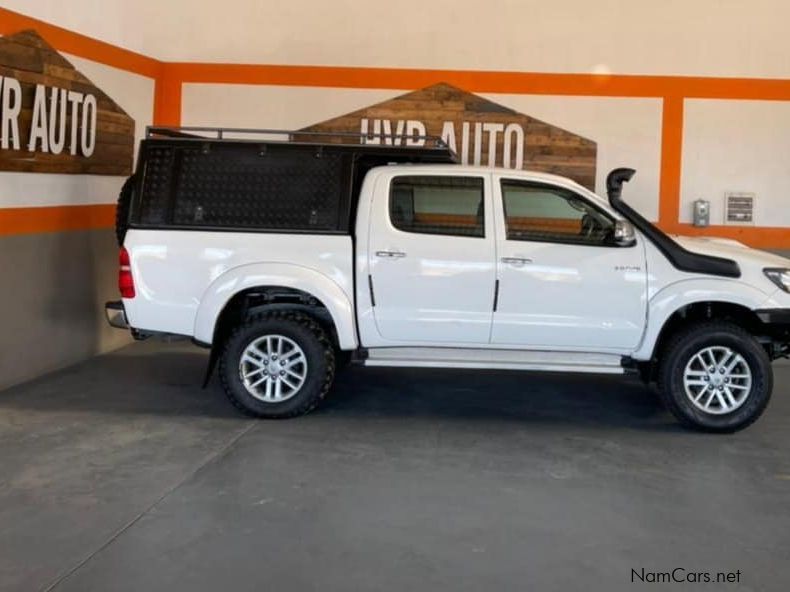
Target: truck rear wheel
column 715, row 377
column 277, row 365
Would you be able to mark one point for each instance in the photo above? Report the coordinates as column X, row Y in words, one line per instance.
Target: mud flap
column 212, row 362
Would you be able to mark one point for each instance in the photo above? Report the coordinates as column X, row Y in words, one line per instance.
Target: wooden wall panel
column 546, row 148
column 29, row 59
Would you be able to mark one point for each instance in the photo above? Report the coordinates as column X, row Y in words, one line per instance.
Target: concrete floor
column 122, row 474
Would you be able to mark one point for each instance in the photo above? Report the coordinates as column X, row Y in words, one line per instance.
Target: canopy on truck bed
column 229, row 179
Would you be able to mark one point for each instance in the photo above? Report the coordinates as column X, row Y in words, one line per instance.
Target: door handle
column 516, row 260
column 390, row 254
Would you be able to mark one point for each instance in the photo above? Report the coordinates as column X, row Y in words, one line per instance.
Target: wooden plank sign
column 53, row 119
column 480, row 131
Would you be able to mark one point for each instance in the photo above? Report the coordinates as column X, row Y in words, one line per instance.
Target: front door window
column 543, row 213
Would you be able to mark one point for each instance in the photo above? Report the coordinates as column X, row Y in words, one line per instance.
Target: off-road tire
column 685, row 344
column 122, row 209
column 308, row 335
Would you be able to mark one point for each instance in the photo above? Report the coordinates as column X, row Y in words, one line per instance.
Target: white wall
column 737, row 146
column 698, row 37
column 274, row 107
column 113, row 21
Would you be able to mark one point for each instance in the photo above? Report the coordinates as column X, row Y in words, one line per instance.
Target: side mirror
column 624, row 234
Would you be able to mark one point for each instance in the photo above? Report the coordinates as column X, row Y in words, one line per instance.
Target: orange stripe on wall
column 481, row 81
column 56, row 218
column 167, row 98
column 758, row 237
column 85, row 217
column 671, row 160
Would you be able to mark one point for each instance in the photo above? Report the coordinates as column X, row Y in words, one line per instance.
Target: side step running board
column 495, row 359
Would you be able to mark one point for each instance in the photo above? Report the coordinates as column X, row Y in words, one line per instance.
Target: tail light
column 125, row 279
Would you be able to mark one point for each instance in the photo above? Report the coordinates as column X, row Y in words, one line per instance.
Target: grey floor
column 122, row 474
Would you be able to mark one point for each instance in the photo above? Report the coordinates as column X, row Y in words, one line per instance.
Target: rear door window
column 441, row 205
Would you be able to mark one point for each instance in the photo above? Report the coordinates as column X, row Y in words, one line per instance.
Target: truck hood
column 731, row 249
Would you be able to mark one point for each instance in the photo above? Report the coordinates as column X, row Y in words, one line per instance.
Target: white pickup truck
column 288, row 257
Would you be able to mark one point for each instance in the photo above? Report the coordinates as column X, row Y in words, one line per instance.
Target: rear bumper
column 116, row 315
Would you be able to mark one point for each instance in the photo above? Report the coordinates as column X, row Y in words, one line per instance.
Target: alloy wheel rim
column 717, row 380
column 273, row 368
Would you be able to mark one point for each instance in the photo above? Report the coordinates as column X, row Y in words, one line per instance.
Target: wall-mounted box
column 701, row 213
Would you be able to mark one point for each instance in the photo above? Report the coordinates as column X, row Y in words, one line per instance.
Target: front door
column 432, row 259
column 562, row 282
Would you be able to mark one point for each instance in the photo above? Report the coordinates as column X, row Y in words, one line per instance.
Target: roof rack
column 219, row 133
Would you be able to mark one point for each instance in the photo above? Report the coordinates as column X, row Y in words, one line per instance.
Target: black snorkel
column 680, row 258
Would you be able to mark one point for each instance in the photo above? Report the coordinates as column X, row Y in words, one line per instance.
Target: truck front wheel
column 277, row 365
column 715, row 377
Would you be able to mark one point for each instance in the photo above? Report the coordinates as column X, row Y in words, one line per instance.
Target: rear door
column 431, row 258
